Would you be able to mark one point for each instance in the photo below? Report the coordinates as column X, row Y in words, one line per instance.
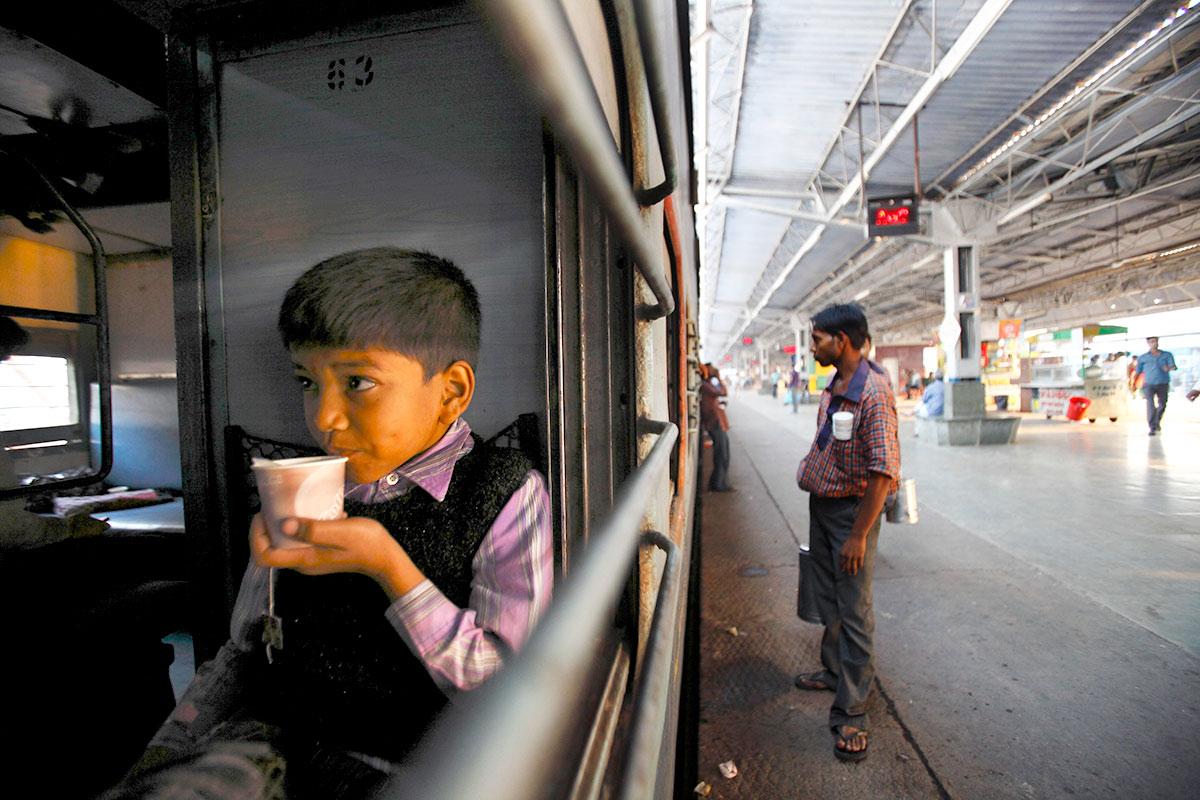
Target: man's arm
column 869, row 508
column 879, row 431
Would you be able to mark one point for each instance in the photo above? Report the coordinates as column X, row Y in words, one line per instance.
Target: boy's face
column 375, row 407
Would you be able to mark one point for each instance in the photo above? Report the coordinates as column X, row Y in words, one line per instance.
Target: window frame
column 99, row 320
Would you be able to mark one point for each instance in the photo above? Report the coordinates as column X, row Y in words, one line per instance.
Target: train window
column 55, row 422
column 35, row 392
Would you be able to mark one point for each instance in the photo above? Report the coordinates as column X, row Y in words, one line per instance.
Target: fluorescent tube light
column 1025, row 208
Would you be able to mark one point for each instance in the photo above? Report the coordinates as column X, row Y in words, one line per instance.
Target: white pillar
column 960, row 326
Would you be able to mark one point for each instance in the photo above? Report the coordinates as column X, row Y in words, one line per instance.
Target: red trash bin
column 1076, row 406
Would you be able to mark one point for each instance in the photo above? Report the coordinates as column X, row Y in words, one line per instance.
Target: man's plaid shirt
column 835, row 468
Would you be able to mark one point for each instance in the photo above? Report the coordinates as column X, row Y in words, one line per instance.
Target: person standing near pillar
column 714, row 421
column 794, row 384
column 849, row 474
column 1156, row 365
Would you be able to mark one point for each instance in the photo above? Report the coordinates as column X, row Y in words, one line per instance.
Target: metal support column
column 960, row 331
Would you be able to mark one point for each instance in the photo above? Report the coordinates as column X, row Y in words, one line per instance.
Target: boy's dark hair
column 408, row 301
column 847, row 318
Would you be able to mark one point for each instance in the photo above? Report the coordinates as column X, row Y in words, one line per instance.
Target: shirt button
column 392, row 479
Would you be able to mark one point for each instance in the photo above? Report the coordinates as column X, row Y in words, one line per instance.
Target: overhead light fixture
column 34, row 445
column 1175, row 15
column 1112, row 306
column 861, row 295
column 1157, row 300
column 1025, row 208
column 1177, row 250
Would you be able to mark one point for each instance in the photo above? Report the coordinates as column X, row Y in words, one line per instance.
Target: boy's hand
column 355, row 544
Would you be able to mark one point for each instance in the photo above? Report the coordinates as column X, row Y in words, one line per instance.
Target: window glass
column 36, row 392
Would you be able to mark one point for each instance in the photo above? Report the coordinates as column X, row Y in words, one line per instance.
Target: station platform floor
column 1037, row 632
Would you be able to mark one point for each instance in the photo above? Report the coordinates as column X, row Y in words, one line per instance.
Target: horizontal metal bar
column 650, row 705
column 45, row 313
column 808, row 216
column 505, row 740
column 541, row 45
column 151, row 254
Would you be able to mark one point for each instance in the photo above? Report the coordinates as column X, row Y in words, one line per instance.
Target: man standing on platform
column 714, row 421
column 797, row 381
column 1156, row 365
column 849, row 472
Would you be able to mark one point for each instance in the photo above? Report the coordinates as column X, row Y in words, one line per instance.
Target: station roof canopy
column 1062, row 137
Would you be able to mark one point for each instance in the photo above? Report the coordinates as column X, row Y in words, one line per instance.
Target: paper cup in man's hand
column 307, row 488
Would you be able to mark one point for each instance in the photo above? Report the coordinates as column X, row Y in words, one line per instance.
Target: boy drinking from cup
column 344, row 648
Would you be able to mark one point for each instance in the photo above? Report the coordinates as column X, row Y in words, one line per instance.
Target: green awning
column 1103, row 330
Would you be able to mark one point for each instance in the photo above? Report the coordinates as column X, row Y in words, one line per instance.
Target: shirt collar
column 431, row 470
column 854, row 390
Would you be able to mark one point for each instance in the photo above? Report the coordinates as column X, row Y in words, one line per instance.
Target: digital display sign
column 893, row 216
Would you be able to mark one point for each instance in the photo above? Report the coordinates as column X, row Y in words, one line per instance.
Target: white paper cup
column 309, row 488
column 843, row 424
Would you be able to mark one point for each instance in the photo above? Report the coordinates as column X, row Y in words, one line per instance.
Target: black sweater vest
column 344, row 677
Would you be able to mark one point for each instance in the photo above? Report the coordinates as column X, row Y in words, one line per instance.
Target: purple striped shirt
column 513, row 573
column 461, row 647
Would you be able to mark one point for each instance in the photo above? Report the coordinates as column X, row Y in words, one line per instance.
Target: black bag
column 806, row 593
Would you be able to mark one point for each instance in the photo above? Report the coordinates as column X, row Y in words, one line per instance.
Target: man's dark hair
column 407, row 301
column 847, row 318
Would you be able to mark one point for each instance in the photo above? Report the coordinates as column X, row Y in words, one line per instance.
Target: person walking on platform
column 851, row 468
column 797, row 382
column 1156, row 365
column 714, row 421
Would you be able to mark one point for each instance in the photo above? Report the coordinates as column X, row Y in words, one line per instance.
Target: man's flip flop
column 814, row 681
column 850, row 755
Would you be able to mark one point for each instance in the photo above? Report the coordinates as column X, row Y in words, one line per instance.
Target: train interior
column 414, row 133
column 100, row 618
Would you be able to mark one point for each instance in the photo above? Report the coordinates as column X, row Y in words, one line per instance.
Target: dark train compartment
column 544, row 148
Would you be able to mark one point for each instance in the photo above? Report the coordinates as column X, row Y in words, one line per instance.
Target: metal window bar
column 97, row 319
column 648, row 726
column 505, row 740
column 649, row 23
column 540, row 44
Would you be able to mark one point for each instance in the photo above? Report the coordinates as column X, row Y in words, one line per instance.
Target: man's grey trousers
column 847, row 648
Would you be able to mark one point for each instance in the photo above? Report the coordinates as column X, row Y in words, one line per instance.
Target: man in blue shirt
column 1156, row 366
column 933, row 401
